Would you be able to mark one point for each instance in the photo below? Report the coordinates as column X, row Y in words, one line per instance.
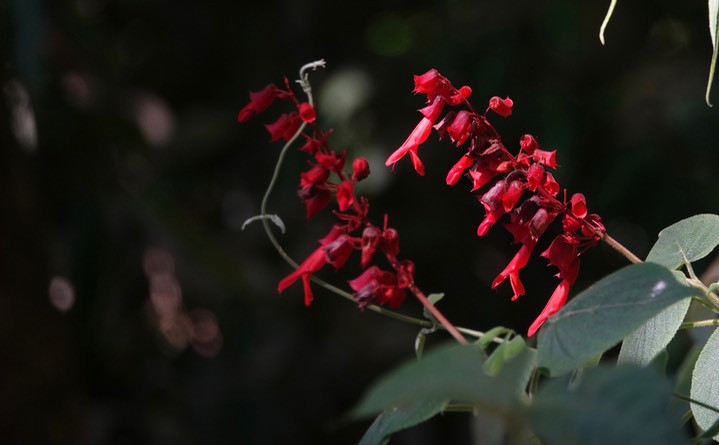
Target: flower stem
column 438, row 315
column 616, row 245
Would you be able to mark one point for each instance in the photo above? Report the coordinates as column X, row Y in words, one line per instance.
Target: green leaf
column 396, row 419
column 502, row 354
column 454, row 373
column 433, row 298
column 605, row 313
column 692, row 238
column 644, row 344
column 490, row 335
column 704, row 384
column 611, row 405
column 713, row 23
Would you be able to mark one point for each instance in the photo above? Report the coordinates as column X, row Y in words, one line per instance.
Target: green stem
column 699, row 324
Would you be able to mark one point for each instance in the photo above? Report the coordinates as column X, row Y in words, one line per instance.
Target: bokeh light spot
column 61, row 293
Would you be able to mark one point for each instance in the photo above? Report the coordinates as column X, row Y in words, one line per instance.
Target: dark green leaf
column 396, row 419
column 454, row 373
column 704, row 384
column 605, row 313
column 611, row 405
column 691, row 239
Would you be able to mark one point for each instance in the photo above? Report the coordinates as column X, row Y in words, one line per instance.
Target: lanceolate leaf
column 611, row 405
column 713, row 23
column 454, row 373
column 396, row 419
column 605, row 313
column 704, row 384
column 689, row 239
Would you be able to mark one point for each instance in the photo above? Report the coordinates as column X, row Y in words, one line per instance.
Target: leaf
column 433, row 299
column 606, row 20
column 704, row 384
column 694, row 238
column 492, row 334
column 396, row 419
column 612, row 405
column 454, row 373
column 713, row 23
column 502, row 354
column 644, row 344
column 605, row 313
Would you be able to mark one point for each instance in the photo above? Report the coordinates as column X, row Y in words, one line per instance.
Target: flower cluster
column 508, row 178
column 324, row 180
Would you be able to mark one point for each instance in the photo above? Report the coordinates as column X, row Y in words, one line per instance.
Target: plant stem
column 616, row 245
column 699, row 324
column 438, row 315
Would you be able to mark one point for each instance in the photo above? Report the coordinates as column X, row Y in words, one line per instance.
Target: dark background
column 137, row 178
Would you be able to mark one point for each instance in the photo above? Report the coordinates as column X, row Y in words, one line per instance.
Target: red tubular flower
column 459, row 130
column 418, row 136
column 579, row 205
column 458, row 169
column 528, row 144
column 345, row 195
column 428, row 82
column 310, row 265
column 548, row 158
column 519, row 260
column 555, row 302
column 307, row 112
column 376, row 286
column 314, row 198
column 285, row 126
column 502, row 107
column 493, row 206
column 259, row 101
column 339, row 251
column 535, row 176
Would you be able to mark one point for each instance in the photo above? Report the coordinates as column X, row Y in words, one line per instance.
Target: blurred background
column 134, row 310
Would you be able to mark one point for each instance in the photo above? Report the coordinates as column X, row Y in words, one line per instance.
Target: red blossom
column 307, row 112
column 502, row 107
column 259, row 101
column 284, row 127
column 360, row 169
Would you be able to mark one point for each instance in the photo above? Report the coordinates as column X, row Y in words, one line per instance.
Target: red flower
column 360, row 169
column 259, row 101
column 345, row 195
column 285, row 126
column 420, row 134
column 458, row 169
column 502, row 107
column 376, row 286
column 555, row 302
column 311, row 264
column 307, row 112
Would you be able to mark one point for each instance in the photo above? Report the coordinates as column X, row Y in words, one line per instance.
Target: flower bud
column 360, row 169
